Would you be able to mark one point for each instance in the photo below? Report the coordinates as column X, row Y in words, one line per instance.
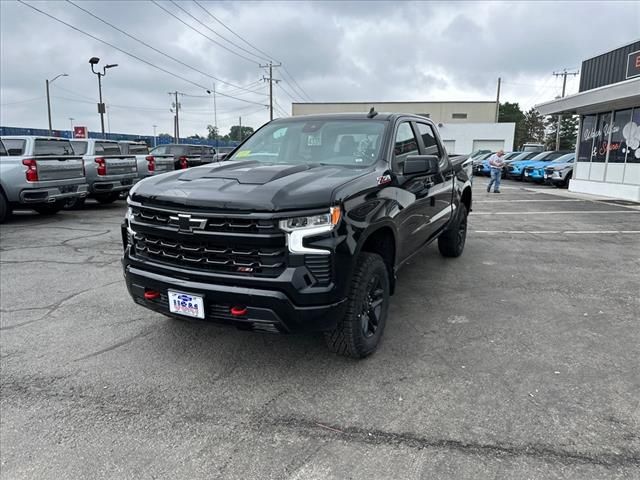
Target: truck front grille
column 151, row 217
column 241, row 245
column 212, row 256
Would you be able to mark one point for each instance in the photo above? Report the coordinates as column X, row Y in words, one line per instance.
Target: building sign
column 633, row 64
column 80, row 132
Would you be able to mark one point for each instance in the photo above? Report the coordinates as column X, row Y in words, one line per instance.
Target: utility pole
column 562, row 74
column 498, row 101
column 176, row 118
column 93, row 61
column 270, row 80
column 240, row 123
column 154, row 135
column 47, row 83
column 71, row 119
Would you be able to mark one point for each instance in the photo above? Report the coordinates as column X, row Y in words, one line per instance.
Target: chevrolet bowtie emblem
column 187, row 224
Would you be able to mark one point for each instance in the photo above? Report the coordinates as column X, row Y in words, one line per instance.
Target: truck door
column 441, row 189
column 412, row 194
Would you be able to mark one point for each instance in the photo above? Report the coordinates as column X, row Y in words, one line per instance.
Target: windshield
column 333, row 142
column 511, row 155
column 138, row 149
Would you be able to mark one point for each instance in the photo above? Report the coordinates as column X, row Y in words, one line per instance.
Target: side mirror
column 426, row 164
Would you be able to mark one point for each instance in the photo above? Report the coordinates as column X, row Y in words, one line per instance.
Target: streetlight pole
column 71, row 119
column 101, row 108
column 47, row 83
column 154, row 135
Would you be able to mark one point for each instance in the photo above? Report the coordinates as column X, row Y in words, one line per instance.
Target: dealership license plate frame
column 194, row 307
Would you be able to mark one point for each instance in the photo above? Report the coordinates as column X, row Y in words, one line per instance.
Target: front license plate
column 186, row 304
column 526, row 174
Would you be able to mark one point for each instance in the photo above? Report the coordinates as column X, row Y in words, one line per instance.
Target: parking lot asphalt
column 519, row 359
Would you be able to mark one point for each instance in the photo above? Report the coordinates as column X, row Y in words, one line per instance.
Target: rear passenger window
column 428, row 139
column 3, row 151
column 405, row 145
column 195, row 151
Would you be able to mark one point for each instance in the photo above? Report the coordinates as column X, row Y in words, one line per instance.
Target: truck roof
column 39, row 137
column 353, row 116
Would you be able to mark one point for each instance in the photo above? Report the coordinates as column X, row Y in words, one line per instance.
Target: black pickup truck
column 302, row 229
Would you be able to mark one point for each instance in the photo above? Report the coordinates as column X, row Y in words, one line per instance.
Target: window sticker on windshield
column 243, row 153
column 314, row 141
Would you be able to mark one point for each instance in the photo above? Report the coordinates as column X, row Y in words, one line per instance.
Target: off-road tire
column 349, row 337
column 74, row 203
column 106, row 198
column 451, row 242
column 48, row 208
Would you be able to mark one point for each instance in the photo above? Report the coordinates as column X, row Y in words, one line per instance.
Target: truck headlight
column 298, row 228
column 329, row 219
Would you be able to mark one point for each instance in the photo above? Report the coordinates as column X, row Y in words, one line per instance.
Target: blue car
column 516, row 169
column 536, row 171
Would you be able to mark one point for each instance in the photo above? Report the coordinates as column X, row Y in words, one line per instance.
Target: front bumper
column 53, row 193
column 266, row 310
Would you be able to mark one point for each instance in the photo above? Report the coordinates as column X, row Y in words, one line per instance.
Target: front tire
column 451, row 242
column 358, row 333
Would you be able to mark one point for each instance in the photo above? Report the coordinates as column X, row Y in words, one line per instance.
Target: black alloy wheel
column 371, row 311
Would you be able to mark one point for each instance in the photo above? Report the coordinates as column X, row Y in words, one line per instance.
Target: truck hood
column 247, row 185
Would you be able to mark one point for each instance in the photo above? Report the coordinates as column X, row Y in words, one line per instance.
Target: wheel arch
column 381, row 240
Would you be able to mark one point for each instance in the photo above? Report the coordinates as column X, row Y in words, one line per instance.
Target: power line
column 130, row 54
column 304, row 93
column 151, row 47
column 198, row 31
column 270, row 57
column 216, row 33
column 22, row 101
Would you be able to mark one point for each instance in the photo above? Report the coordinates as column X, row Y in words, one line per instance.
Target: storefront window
column 631, row 136
column 601, row 138
column 586, row 138
column 617, row 145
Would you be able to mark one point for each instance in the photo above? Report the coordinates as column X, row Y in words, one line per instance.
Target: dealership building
column 464, row 126
column 608, row 103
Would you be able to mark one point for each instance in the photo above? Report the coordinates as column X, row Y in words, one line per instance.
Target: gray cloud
column 346, row 51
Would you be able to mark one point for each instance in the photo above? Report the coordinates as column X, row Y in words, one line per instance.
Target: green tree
column 165, row 135
column 568, row 132
column 533, row 127
column 511, row 112
column 214, row 133
column 238, row 133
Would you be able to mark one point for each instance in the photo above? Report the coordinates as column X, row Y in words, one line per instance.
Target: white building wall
column 439, row 112
column 464, row 135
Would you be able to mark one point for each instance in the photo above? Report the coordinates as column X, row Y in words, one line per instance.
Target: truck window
column 137, row 149
column 3, row 151
column 195, row 151
column 300, row 141
column 43, row 147
column 428, row 139
column 161, row 150
column 405, row 145
column 79, row 148
column 14, row 146
column 107, row 148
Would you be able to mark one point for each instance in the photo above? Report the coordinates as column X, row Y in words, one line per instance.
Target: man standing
column 496, row 164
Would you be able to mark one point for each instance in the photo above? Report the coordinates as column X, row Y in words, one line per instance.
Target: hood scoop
column 247, row 173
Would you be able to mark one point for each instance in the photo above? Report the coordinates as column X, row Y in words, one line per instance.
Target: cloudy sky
column 330, row 51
